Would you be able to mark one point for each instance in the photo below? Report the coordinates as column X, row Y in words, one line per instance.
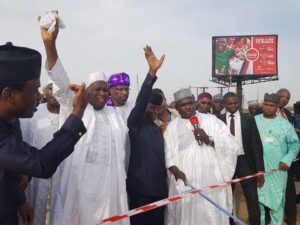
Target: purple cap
column 119, row 79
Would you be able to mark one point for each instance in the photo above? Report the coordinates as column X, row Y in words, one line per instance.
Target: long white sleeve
column 61, row 83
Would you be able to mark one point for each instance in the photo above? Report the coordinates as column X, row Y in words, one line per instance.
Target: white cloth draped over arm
column 173, row 212
column 170, row 146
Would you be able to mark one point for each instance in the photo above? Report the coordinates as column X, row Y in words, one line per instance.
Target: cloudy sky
column 108, row 35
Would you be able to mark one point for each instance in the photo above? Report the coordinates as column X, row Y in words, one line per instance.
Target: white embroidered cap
column 95, row 77
column 182, row 93
column 253, row 102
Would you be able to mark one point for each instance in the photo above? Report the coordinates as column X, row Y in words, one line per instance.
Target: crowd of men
column 101, row 155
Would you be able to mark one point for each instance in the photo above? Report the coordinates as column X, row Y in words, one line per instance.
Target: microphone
column 195, row 122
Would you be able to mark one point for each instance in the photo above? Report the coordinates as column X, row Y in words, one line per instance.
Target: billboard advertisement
column 249, row 55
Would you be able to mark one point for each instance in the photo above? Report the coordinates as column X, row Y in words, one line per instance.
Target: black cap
column 272, row 98
column 156, row 98
column 19, row 63
column 159, row 91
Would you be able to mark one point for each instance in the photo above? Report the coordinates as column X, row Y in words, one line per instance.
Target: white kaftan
column 38, row 131
column 203, row 165
column 93, row 178
column 123, row 112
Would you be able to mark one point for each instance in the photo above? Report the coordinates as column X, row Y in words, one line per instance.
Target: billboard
column 249, row 55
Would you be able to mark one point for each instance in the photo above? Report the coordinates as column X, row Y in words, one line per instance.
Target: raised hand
column 80, row 99
column 49, row 38
column 154, row 63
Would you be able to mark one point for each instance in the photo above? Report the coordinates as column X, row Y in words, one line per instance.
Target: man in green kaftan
column 223, row 54
column 280, row 146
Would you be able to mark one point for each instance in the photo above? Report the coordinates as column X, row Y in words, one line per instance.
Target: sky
column 109, row 35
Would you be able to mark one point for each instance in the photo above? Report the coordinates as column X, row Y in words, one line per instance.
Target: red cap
column 205, row 95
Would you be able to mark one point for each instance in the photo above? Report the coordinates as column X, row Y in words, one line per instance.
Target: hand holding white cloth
column 48, row 21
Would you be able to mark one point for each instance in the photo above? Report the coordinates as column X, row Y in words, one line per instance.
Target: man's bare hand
column 26, row 212
column 153, row 62
column 283, row 166
column 260, row 181
column 178, row 174
column 201, row 135
column 163, row 127
column 80, row 99
column 24, row 180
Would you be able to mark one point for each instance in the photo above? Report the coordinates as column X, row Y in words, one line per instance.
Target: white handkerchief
column 48, row 21
column 181, row 188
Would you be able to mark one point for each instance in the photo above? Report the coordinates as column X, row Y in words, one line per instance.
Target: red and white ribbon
column 181, row 196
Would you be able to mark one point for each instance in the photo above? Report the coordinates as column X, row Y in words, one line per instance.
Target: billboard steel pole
column 239, row 92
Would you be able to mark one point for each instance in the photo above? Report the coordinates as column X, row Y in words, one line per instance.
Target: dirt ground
column 242, row 211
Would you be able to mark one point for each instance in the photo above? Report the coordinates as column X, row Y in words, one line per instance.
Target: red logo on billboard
column 252, row 54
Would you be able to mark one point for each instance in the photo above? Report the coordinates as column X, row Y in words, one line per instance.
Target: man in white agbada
column 92, row 184
column 201, row 156
column 38, row 131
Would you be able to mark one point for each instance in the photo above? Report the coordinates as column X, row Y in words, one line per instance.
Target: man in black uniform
column 19, row 96
column 250, row 155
